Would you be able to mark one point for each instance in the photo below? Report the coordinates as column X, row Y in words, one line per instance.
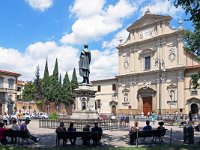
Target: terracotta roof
column 20, row 82
column 3, row 72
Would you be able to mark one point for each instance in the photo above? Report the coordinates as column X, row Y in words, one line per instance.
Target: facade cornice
column 182, row 68
column 158, row 37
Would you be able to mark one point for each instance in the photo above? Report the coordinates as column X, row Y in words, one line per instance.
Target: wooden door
column 147, row 105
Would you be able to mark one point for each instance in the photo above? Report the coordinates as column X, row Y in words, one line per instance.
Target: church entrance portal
column 194, row 109
column 147, row 105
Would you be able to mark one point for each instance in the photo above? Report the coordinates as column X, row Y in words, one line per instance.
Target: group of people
column 148, row 127
column 15, row 126
column 71, row 128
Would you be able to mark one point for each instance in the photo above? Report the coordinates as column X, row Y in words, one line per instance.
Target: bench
column 156, row 134
column 73, row 135
column 169, row 121
column 16, row 134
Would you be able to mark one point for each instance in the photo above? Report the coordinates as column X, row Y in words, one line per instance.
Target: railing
column 106, row 124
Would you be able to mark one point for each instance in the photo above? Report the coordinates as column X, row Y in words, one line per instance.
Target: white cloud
column 123, row 34
column 163, row 7
column 40, row 4
column 36, row 54
column 93, row 25
column 86, row 8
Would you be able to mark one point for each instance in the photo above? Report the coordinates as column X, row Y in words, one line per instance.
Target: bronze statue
column 84, row 64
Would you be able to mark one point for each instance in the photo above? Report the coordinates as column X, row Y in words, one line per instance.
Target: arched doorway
column 114, row 112
column 194, row 108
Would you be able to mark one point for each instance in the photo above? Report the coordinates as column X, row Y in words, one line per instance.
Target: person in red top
column 2, row 129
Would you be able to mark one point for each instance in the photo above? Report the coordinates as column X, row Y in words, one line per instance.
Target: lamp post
column 161, row 67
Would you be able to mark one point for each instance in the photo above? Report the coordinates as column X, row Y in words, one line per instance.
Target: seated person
column 72, row 129
column 14, row 127
column 2, row 130
column 23, row 127
column 160, row 127
column 147, row 127
column 86, row 141
column 97, row 129
column 61, row 128
column 133, row 129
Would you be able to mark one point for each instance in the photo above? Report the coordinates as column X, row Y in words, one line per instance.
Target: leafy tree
column 67, row 90
column 37, row 82
column 192, row 39
column 28, row 92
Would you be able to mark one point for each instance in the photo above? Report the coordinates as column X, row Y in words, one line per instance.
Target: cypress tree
column 37, row 82
column 45, row 82
column 67, row 90
column 55, row 71
column 74, row 81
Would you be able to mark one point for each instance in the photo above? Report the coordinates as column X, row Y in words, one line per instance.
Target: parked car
column 34, row 116
column 26, row 116
column 42, row 115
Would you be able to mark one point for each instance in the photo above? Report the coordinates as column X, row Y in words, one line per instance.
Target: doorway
column 194, row 109
column 114, row 110
column 147, row 105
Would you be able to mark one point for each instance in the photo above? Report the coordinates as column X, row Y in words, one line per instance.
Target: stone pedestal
column 85, row 103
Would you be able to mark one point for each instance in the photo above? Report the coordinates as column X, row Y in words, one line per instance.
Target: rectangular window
column 114, row 87
column 98, row 103
column 99, row 88
column 11, row 83
column 147, row 63
column 1, row 82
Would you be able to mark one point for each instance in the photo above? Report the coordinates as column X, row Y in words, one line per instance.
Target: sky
column 32, row 31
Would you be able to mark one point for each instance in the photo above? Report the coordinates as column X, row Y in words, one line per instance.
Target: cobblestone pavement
column 115, row 138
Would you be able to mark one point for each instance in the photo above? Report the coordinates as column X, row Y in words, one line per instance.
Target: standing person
column 23, row 127
column 167, row 115
column 153, row 117
column 190, row 115
column 19, row 116
column 84, row 64
column 5, row 119
column 133, row 129
column 99, row 131
column 176, row 116
column 72, row 129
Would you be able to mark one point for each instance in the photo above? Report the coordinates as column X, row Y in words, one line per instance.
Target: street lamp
column 161, row 67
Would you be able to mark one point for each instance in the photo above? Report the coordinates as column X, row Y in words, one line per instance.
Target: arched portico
column 146, row 100
column 193, row 105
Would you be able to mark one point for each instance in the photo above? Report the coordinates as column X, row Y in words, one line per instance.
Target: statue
column 84, row 64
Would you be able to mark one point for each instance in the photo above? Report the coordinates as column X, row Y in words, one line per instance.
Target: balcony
column 6, row 90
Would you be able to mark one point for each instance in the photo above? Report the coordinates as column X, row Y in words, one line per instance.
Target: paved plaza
column 114, row 138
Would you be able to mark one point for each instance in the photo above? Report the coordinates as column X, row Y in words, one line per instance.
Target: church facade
column 154, row 72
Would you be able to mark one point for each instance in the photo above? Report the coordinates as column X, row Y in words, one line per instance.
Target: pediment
column 146, row 20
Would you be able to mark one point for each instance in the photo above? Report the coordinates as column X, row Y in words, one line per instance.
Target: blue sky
column 33, row 30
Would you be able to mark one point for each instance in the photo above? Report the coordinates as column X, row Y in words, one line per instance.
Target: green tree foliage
column 37, row 82
column 67, row 90
column 74, row 81
column 192, row 39
column 45, row 82
column 54, row 93
column 28, row 92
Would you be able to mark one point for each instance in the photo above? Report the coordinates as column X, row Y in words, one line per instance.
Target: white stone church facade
column 154, row 72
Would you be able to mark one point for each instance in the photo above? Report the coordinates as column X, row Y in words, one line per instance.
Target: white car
column 42, row 115
column 26, row 116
